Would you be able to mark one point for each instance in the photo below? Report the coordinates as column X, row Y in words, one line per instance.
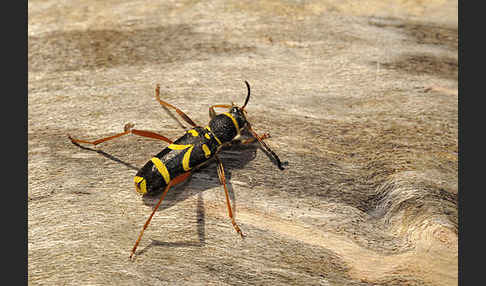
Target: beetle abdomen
column 191, row 150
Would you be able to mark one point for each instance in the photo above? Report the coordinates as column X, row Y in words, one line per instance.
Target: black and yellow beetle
column 195, row 148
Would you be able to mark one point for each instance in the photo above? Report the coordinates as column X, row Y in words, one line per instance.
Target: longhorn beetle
column 195, row 148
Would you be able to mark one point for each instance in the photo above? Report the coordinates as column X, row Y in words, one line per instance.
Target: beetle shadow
column 106, row 155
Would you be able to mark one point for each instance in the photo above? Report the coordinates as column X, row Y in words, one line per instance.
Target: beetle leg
column 163, row 103
column 212, row 113
column 253, row 139
column 174, row 181
column 222, row 179
column 128, row 129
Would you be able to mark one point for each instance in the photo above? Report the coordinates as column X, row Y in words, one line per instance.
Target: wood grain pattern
column 360, row 101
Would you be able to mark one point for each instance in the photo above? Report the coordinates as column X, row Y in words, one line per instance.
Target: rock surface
column 360, row 98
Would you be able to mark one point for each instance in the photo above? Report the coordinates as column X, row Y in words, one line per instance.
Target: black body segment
column 223, row 127
column 193, row 149
column 226, row 126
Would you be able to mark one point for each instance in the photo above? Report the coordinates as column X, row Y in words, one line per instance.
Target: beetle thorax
column 227, row 126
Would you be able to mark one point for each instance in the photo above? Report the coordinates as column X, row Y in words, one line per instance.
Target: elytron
column 197, row 147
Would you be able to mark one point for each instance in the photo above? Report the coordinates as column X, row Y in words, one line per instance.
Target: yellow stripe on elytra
column 162, row 169
column 206, row 150
column 185, row 159
column 179, row 146
column 207, row 136
column 143, row 186
column 193, row 132
column 187, row 155
column 234, row 121
column 217, row 139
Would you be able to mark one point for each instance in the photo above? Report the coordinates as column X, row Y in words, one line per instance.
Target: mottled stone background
column 360, row 98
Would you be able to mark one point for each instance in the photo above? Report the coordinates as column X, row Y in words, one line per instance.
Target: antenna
column 248, row 96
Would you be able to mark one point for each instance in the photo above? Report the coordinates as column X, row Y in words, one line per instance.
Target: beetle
column 197, row 147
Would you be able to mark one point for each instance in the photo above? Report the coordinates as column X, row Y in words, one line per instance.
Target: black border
column 461, row 127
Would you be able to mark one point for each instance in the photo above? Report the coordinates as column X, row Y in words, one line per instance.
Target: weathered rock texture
column 360, row 98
